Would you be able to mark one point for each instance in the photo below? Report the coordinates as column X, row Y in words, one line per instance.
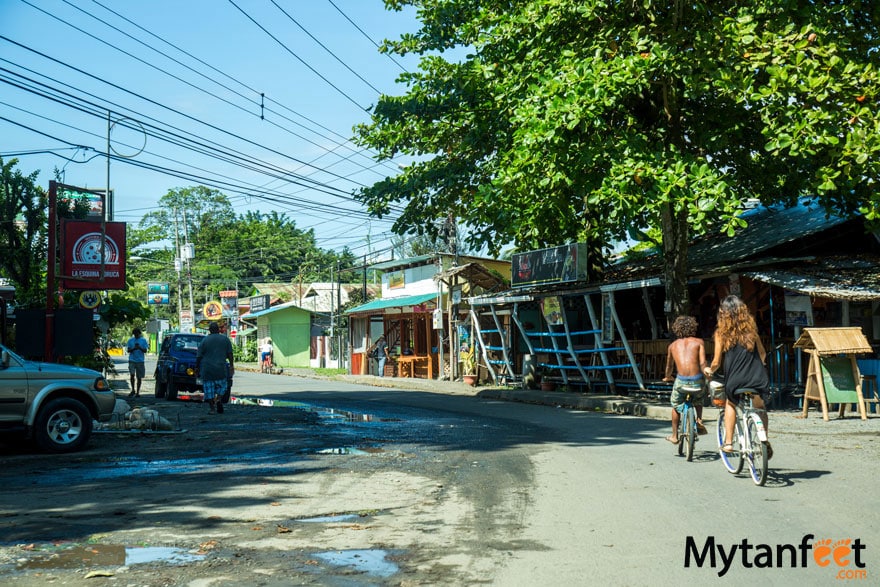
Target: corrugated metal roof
column 768, row 227
column 854, row 279
column 399, row 302
column 274, row 309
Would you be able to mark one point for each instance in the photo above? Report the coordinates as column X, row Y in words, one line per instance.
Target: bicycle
column 687, row 424
column 749, row 440
column 266, row 364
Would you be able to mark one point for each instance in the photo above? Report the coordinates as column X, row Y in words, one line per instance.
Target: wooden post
column 815, row 388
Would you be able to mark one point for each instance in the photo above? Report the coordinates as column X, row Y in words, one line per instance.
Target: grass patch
column 329, row 372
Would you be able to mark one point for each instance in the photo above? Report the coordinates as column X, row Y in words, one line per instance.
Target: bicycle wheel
column 733, row 462
column 691, row 435
column 756, row 454
column 682, row 421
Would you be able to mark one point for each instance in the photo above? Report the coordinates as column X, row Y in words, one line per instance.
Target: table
column 406, row 364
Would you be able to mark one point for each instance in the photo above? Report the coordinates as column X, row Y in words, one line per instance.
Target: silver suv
column 55, row 405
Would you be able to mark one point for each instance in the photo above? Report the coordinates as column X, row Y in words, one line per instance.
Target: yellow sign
column 213, row 310
column 89, row 300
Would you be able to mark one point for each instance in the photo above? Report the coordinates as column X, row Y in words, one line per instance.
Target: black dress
column 744, row 370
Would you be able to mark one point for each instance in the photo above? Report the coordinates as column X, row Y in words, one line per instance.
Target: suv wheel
column 63, row 425
column 171, row 390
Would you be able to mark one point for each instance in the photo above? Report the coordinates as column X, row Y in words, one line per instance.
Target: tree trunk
column 675, row 248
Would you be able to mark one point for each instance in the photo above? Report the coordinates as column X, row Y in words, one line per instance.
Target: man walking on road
column 214, row 350
column 137, row 346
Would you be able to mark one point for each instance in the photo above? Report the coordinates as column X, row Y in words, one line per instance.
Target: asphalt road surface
column 446, row 489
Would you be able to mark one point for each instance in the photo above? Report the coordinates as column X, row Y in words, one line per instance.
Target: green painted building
column 289, row 327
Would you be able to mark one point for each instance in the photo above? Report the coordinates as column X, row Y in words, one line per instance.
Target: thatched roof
column 848, row 340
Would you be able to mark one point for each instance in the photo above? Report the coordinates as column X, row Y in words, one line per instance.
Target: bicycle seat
column 746, row 391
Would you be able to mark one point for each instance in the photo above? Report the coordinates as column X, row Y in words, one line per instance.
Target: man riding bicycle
column 688, row 354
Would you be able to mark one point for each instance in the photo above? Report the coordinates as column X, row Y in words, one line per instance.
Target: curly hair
column 736, row 325
column 684, row 327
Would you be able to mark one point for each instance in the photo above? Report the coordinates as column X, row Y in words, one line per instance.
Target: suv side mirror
column 4, row 359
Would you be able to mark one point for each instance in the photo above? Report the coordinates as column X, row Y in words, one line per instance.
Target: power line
column 332, row 54
column 165, row 135
column 366, row 36
column 300, row 59
column 162, row 106
column 211, row 79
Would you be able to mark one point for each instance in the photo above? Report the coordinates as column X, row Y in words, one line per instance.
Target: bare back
column 689, row 356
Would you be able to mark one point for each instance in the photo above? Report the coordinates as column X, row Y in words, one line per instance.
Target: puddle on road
column 331, row 519
column 372, row 562
column 331, row 415
column 102, row 555
column 349, row 450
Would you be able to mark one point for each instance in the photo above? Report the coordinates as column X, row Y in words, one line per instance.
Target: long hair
column 736, row 325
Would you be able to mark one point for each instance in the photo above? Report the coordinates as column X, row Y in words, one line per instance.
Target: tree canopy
column 231, row 250
column 23, row 207
column 594, row 121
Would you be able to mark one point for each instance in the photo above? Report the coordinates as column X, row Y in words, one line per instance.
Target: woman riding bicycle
column 738, row 343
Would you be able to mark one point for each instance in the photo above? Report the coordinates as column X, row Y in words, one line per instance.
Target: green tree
column 23, row 206
column 594, row 120
column 231, row 251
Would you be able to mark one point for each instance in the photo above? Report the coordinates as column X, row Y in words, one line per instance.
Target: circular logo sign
column 213, row 310
column 89, row 300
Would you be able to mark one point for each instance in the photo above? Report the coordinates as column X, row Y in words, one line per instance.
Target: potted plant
column 469, row 367
column 544, row 377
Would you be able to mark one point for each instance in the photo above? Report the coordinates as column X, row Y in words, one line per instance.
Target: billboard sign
column 94, row 199
column 82, row 252
column 158, row 294
column 259, row 303
column 563, row 264
column 229, row 301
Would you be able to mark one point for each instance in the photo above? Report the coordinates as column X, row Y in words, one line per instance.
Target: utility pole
column 338, row 306
column 188, row 252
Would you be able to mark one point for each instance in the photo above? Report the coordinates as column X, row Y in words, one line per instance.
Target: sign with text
column 564, row 264
column 83, row 252
column 259, row 303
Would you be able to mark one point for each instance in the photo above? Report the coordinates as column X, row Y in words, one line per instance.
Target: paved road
column 608, row 502
column 551, row 496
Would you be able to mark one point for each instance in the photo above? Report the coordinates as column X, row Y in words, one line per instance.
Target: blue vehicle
column 176, row 367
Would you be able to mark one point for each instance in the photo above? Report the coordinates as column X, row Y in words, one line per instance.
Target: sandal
column 727, row 448
column 669, row 439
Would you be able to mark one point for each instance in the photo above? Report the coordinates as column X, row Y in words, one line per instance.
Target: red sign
column 82, row 250
column 232, row 334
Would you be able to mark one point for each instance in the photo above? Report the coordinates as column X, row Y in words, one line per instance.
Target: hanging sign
column 82, row 252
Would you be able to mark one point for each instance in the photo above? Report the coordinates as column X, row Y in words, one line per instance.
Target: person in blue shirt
column 137, row 347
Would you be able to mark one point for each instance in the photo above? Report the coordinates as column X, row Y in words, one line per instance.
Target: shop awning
column 400, row 302
column 841, row 284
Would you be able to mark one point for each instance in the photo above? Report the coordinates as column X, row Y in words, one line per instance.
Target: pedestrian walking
column 137, row 347
column 380, row 353
column 211, row 366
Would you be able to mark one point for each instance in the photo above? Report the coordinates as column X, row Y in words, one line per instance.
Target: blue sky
column 298, row 158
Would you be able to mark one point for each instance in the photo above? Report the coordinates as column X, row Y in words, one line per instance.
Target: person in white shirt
column 266, row 352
